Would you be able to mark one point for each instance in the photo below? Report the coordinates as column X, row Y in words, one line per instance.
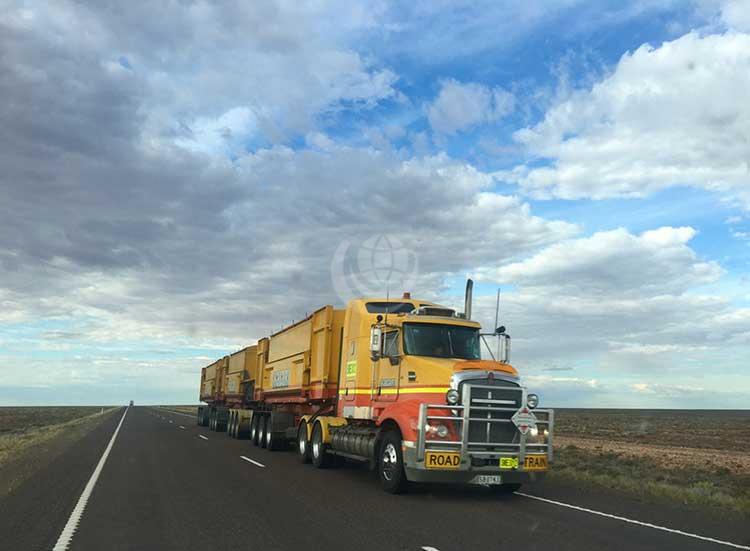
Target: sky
column 180, row 179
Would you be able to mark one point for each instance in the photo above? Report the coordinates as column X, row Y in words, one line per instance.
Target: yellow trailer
column 298, row 374
column 239, row 390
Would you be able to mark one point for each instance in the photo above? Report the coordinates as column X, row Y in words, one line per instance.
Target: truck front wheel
column 391, row 464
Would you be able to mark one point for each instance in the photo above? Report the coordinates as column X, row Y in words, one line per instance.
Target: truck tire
column 320, row 459
column 254, row 429
column 263, row 426
column 273, row 442
column 233, row 425
column 391, row 464
column 303, row 446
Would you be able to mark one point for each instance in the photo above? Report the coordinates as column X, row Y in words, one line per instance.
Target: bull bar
column 473, row 452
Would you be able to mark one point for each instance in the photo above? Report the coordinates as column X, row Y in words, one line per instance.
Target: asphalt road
column 169, row 484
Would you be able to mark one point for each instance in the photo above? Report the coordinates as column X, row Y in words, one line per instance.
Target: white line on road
column 183, row 428
column 252, row 461
column 631, row 521
column 171, row 421
column 75, row 517
column 201, row 436
column 180, row 413
column 428, row 548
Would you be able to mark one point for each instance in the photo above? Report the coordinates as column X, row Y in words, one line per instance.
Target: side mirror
column 376, row 343
column 500, row 330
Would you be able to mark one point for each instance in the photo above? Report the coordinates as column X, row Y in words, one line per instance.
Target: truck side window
column 390, row 346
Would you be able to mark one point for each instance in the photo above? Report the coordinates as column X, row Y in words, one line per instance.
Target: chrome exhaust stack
column 468, row 298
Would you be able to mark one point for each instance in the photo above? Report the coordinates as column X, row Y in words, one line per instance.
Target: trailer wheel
column 303, row 446
column 254, row 430
column 272, row 442
column 318, row 454
column 262, row 428
column 233, row 424
column 391, row 464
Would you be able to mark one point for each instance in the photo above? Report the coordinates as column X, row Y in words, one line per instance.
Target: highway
column 166, row 483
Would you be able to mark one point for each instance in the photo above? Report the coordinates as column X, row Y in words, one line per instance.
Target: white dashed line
column 183, row 428
column 638, row 522
column 428, row 548
column 171, row 421
column 63, row 542
column 180, row 413
column 253, row 461
column 201, row 436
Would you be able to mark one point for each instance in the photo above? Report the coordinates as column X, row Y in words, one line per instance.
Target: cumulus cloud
column 263, row 72
column 618, row 303
column 673, row 115
column 736, row 14
column 655, row 262
column 460, row 106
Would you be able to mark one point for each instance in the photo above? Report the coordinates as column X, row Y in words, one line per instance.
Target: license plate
column 487, row 479
column 442, row 460
column 535, row 463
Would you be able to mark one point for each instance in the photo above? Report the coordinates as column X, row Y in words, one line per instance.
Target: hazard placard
column 524, row 419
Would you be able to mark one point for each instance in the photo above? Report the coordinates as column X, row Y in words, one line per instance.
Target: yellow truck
column 398, row 383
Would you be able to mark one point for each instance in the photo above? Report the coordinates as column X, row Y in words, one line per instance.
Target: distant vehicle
column 397, row 383
column 131, row 402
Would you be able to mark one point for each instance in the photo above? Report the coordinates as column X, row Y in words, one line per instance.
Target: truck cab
column 415, row 369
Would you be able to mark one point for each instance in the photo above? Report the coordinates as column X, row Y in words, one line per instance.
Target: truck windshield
column 441, row 341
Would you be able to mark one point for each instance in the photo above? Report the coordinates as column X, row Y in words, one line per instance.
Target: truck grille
column 491, row 405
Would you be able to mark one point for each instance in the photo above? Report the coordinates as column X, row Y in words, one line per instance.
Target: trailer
column 400, row 384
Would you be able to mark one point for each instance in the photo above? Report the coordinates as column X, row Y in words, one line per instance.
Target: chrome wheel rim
column 390, row 462
column 302, row 441
column 316, row 448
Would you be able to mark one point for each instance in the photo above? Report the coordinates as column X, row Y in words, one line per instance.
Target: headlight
column 440, row 430
column 532, row 400
column 452, row 396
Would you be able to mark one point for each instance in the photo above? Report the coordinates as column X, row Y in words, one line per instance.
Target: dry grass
column 18, row 420
column 32, row 439
column 697, row 458
column 668, row 457
column 24, row 427
column 711, row 429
